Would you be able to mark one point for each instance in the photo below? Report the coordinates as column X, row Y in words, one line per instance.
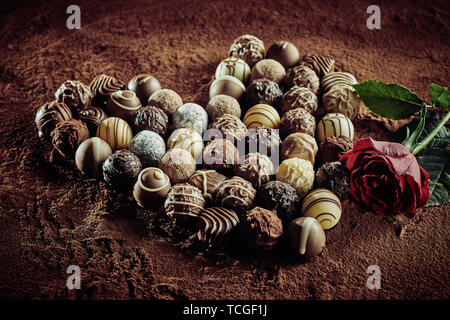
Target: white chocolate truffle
column 298, row 173
column 235, row 67
column 324, row 206
column 342, row 99
column 187, row 139
column 335, row 125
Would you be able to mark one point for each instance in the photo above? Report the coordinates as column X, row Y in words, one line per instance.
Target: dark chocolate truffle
column 75, row 94
column 333, row 176
column 49, row 115
column 297, row 120
column 102, row 87
column 333, row 148
column 263, row 91
column 92, row 117
column 322, row 65
column 184, row 202
column 144, row 85
column 216, row 225
column 208, row 181
column 298, row 97
column 306, row 237
column 121, row 170
column 222, row 104
column 151, row 118
column 263, row 140
column 231, row 127
column 256, row 168
column 303, row 77
column 261, row 228
column 284, row 52
column 68, row 135
column 90, row 156
column 178, row 164
column 151, row 187
column 268, row 69
column 281, row 197
column 220, row 155
column 167, row 100
column 249, row 48
column 236, row 194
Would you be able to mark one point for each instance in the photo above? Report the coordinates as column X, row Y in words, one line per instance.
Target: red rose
column 386, row 177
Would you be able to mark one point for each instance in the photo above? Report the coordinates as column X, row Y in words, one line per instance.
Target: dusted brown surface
column 52, row 216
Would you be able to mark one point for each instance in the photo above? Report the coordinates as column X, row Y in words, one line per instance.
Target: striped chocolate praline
column 92, row 117
column 324, row 206
column 90, row 156
column 216, row 224
column 322, row 65
column 102, row 87
column 116, row 132
column 49, row 115
column 335, row 125
column 262, row 115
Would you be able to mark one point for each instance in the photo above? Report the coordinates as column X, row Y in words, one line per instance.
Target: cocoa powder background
column 51, row 216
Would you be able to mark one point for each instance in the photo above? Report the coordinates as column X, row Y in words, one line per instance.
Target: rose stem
column 422, row 144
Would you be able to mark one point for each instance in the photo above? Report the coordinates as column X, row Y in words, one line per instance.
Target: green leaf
column 436, row 162
column 388, row 100
column 411, row 140
column 440, row 97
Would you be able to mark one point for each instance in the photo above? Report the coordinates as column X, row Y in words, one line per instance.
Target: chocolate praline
column 216, row 225
column 306, row 237
column 121, row 169
column 236, row 194
column 222, row 104
column 263, row 91
column 268, row 69
column 187, row 139
column 151, row 118
column 303, row 77
column 191, row 115
column 208, row 181
column 299, row 145
column 151, row 187
column 149, row 147
column 322, row 65
column 249, row 48
column 220, row 155
column 165, row 99
column 49, row 115
column 102, row 87
column 297, row 120
column 298, row 97
column 144, row 85
column 335, row 177
column 284, row 52
column 255, row 168
column 75, row 94
column 90, row 155
column 333, row 148
column 281, row 197
column 123, row 104
column 184, row 202
column 227, row 85
column 178, row 164
column 68, row 135
column 92, row 117
column 231, row 127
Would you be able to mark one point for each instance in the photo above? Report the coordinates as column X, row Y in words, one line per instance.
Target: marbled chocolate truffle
column 92, row 117
column 151, row 118
column 68, row 135
column 220, row 155
column 298, row 173
column 249, row 48
column 333, row 176
column 165, row 99
column 284, row 52
column 263, row 140
column 263, row 91
column 49, row 115
column 281, row 197
column 75, row 94
column 121, row 169
column 322, row 65
column 268, row 69
column 90, row 156
column 299, row 145
column 191, row 115
column 255, row 168
column 342, row 99
column 178, row 164
column 306, row 237
column 184, row 202
column 298, row 97
column 227, row 85
column 297, row 120
column 151, row 187
column 149, row 147
column 236, row 194
column 144, row 85
column 261, row 228
column 231, row 127
column 333, row 148
column 235, row 67
column 102, row 87
column 303, row 77
column 187, row 139
column 208, row 181
column 123, row 104
column 222, row 104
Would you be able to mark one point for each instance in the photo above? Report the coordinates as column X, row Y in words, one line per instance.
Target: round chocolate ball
column 216, row 225
column 178, row 164
column 298, row 173
column 187, row 139
column 249, row 48
column 335, row 177
column 268, row 69
column 303, row 77
column 222, row 104
column 306, row 237
column 165, row 99
column 184, row 202
column 333, row 148
column 263, row 140
column 261, row 228
column 90, row 156
column 342, row 99
column 75, row 94
column 123, row 104
column 231, row 127
column 102, row 87
column 337, row 79
column 281, row 197
column 236, row 194
column 191, row 115
column 285, row 53
column 92, row 117
column 255, row 168
column 121, row 169
column 299, row 145
column 49, row 115
column 151, row 118
column 144, row 85
column 208, row 181
column 263, row 91
column 227, row 85
column 68, row 135
column 335, row 125
column 323, row 205
column 322, row 65
column 116, row 132
column 262, row 115
column 220, row 155
column 235, row 67
column 297, row 120
column 149, row 147
column 298, row 97
column 151, row 187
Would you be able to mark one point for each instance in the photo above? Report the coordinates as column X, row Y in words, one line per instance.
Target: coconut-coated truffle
column 178, row 164
column 222, row 104
column 269, row 69
column 149, row 147
column 191, row 115
column 68, row 135
column 298, row 173
column 165, row 99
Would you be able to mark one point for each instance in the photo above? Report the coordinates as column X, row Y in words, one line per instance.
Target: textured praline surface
column 236, row 194
column 75, row 94
column 335, row 177
column 256, row 168
column 184, row 202
column 191, row 115
column 121, row 169
column 249, row 48
column 49, row 115
column 297, row 120
column 151, row 118
column 68, row 135
column 263, row 91
column 298, row 173
column 149, row 147
column 216, row 224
